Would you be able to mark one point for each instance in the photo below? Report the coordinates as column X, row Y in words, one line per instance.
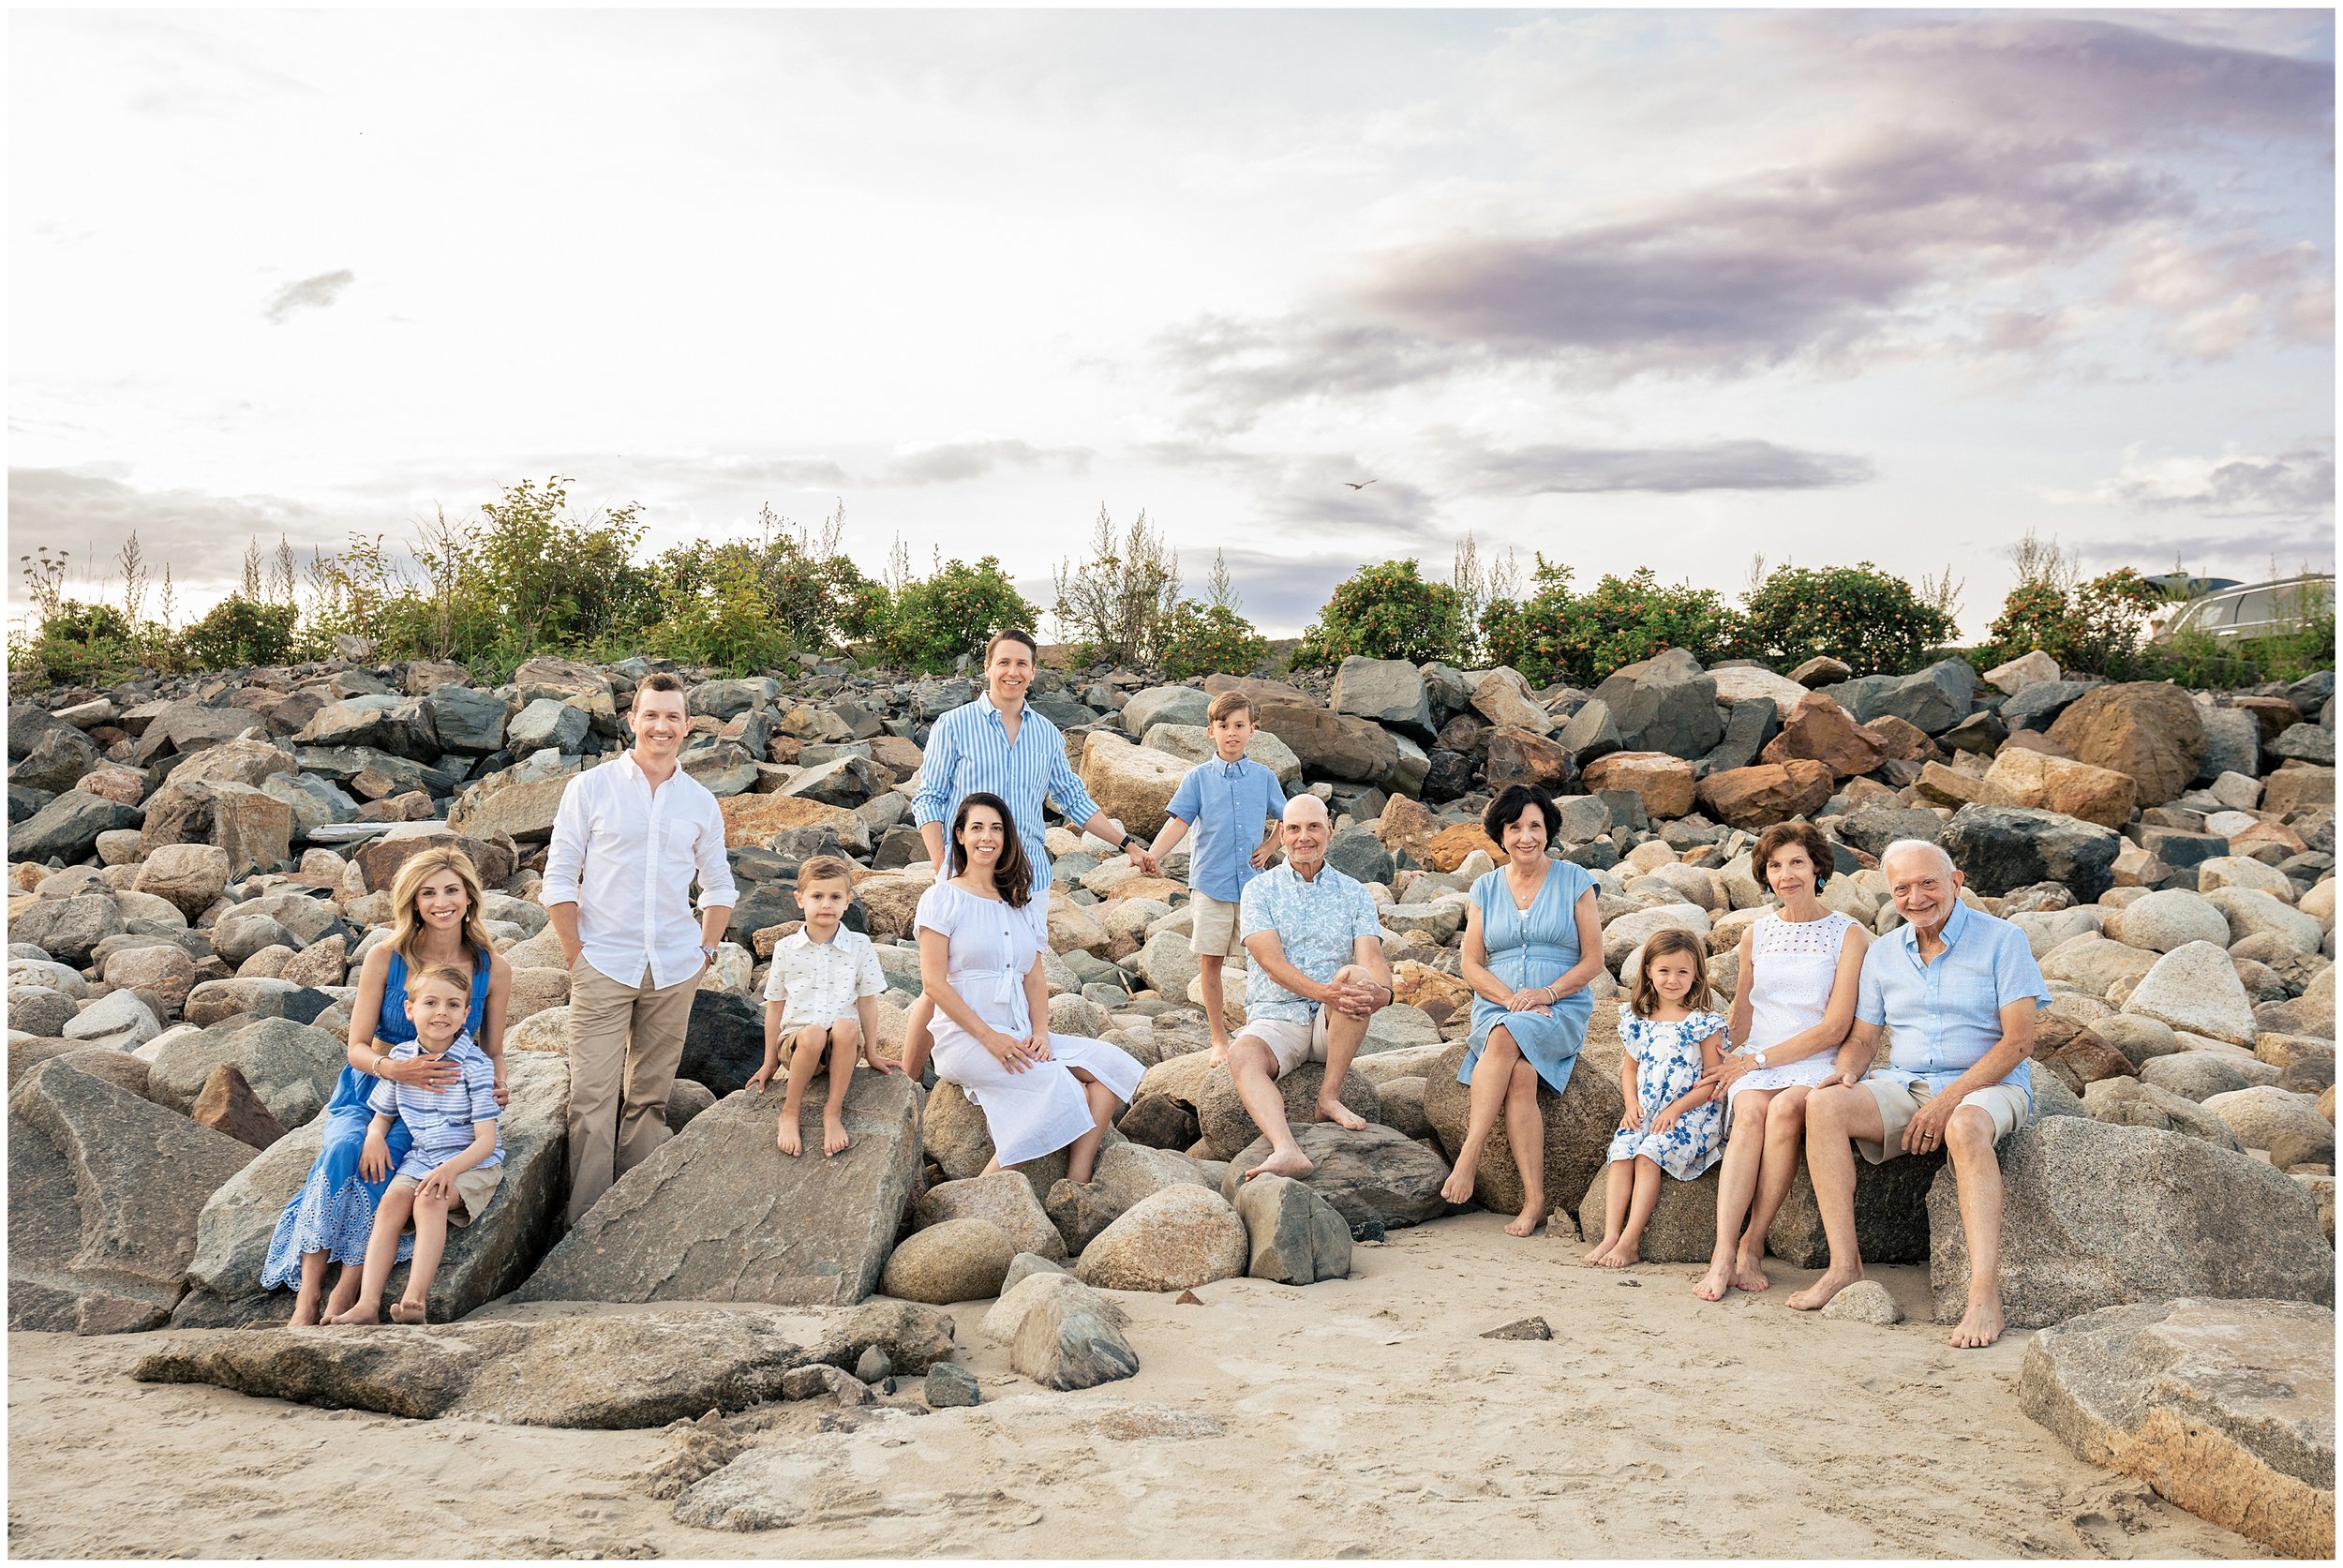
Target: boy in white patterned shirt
column 823, row 992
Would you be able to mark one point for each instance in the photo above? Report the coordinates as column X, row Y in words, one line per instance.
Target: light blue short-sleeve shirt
column 441, row 1120
column 1229, row 806
column 1316, row 923
column 1944, row 1016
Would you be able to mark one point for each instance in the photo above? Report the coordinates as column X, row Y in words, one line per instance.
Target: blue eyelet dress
column 334, row 1210
column 1529, row 949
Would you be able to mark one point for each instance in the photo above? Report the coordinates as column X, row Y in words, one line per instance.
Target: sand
column 1358, row 1418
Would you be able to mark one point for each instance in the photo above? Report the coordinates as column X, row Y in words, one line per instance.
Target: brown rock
column 1579, row 1123
column 227, row 1104
column 165, row 971
column 1819, row 730
column 1948, row 787
column 1408, row 827
column 1518, row 756
column 322, row 963
column 1768, row 793
column 1131, row 783
column 190, row 876
column 378, row 860
column 1419, row 985
column 2084, row 1060
column 2291, row 787
column 1666, row 783
column 2148, row 729
column 1901, row 740
column 1331, row 745
column 2275, row 715
column 1450, row 846
column 752, row 820
column 1822, row 670
column 2023, row 777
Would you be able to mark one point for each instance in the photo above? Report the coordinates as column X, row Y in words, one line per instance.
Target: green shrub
column 1116, row 604
column 239, row 632
column 1206, row 639
column 933, row 622
column 81, row 645
column 1384, row 611
column 719, row 614
column 1555, row 633
column 1871, row 621
column 2093, row 627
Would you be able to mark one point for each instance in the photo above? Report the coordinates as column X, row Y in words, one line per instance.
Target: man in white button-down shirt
column 627, row 841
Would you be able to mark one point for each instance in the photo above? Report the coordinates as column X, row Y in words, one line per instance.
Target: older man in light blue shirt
column 1957, row 990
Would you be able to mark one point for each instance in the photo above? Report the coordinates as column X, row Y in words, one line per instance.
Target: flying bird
column 1359, row 484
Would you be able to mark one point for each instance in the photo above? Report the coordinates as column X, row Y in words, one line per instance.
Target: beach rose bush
column 1871, row 621
column 1388, row 610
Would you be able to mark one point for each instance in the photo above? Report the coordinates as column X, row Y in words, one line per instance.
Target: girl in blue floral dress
column 1672, row 1123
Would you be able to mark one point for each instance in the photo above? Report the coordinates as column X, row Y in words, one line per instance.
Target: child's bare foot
column 1526, row 1223
column 1602, row 1250
column 1818, row 1295
column 1622, row 1255
column 1714, row 1283
column 410, row 1312
column 834, row 1139
column 1332, row 1109
column 786, row 1136
column 360, row 1316
column 1748, row 1274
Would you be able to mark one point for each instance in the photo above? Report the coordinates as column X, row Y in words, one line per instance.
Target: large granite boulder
column 1663, row 704
column 1817, row 729
column 2166, row 919
column 2130, row 1102
column 2094, row 1215
column 1890, row 1213
column 483, row 1260
column 1390, row 692
column 1061, row 1333
column 1683, row 1224
column 2003, row 848
column 292, row 1067
column 1333, row 745
column 2149, row 729
column 1665, row 783
column 2022, row 776
column 1192, row 744
column 1005, row 1200
column 718, row 1212
column 2225, row 1408
column 2194, row 988
column 1126, row 1174
column 1578, row 1122
column 1375, row 1177
column 1164, row 705
column 1175, row 1239
column 957, row 1259
column 104, row 1192
column 1770, row 791
column 1227, row 1126
column 1296, row 1236
column 1131, row 783
column 67, row 828
column 69, row 929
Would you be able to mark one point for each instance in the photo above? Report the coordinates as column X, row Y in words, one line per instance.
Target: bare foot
column 361, row 1315
column 1218, row 1057
column 1714, row 1283
column 1748, row 1274
column 1818, row 1295
column 1457, row 1189
column 1340, row 1114
column 1622, row 1255
column 1602, row 1250
column 834, row 1139
column 785, row 1137
column 1978, row 1328
column 410, row 1312
column 1292, row 1163
column 341, row 1301
column 1526, row 1223
column 304, row 1314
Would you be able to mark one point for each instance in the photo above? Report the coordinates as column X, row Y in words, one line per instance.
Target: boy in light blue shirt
column 1232, row 803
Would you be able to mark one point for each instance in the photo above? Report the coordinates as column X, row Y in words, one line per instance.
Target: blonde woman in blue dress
column 1533, row 943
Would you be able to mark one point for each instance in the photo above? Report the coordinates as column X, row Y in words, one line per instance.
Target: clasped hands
column 1020, row 1055
column 1355, row 998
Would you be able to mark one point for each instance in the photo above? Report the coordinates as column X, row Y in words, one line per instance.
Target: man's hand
column 1145, row 861
column 569, row 953
column 1355, row 998
column 1925, row 1132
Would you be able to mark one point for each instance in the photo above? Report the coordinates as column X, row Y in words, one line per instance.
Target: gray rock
column 1591, row 732
column 63, row 755
column 2039, row 706
column 1683, row 1224
column 1373, row 1176
column 950, row 1386
column 2003, row 848
column 1164, row 705
column 1935, row 699
column 1356, row 852
column 1296, row 1236
column 1663, row 704
column 2311, row 744
column 2195, row 986
column 2139, row 1039
column 2132, row 1102
column 1890, row 1212
column 1390, row 692
column 547, row 723
column 1866, row 1300
column 2093, row 1214
column 2227, row 1408
column 1026, row 1264
column 1006, row 1201
column 1062, row 1334
column 38, row 1011
column 483, row 1260
column 1579, row 1123
column 2169, row 918
column 470, row 721
column 292, row 1067
column 69, row 929
column 2264, row 1116
column 2194, row 1075
column 719, row 1214
column 104, row 1192
column 118, row 1020
column 2233, row 743
column 67, row 828
column 1227, row 1126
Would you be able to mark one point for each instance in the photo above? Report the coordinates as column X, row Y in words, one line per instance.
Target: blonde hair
column 1666, row 940
column 407, row 928
column 825, row 868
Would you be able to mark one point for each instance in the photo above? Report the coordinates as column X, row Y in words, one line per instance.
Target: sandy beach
column 1362, row 1417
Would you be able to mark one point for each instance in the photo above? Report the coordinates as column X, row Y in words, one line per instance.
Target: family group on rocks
column 298, row 955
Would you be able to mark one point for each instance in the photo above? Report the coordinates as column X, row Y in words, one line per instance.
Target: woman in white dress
column 982, row 935
column 1801, row 966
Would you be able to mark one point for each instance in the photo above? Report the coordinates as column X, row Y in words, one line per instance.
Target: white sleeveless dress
column 1043, row 1108
column 1793, row 963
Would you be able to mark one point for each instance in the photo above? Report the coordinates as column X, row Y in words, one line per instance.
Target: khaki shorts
column 1215, row 933
column 1291, row 1041
column 1899, row 1099
column 474, row 1188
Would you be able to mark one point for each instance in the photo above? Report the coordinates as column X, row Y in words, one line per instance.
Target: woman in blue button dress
column 1533, row 943
column 436, row 899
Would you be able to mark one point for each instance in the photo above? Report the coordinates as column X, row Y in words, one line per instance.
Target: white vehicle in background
column 2251, row 610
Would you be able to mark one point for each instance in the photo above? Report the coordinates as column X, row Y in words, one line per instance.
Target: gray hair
column 1917, row 847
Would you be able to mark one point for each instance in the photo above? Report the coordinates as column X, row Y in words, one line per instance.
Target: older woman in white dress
column 1801, row 966
column 981, row 940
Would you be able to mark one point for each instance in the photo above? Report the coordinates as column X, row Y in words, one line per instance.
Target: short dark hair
column 1507, row 808
column 659, row 680
column 1804, row 834
column 1012, row 635
column 1013, row 874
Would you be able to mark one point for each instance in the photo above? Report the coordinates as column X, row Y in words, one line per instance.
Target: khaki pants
column 625, row 1044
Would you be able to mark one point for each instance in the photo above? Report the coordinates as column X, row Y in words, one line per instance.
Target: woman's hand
column 1530, row 1001
column 1037, row 1043
column 374, row 1160
column 1008, row 1050
column 420, row 1072
column 503, row 1094
column 1727, row 1069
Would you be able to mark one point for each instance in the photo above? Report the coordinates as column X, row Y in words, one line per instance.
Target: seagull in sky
column 1359, row 484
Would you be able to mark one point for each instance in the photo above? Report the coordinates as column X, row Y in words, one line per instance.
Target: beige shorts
column 474, row 1188
column 1899, row 1099
column 1291, row 1041
column 1215, row 933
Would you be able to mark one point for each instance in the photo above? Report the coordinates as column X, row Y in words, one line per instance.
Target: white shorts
column 1291, row 1041
column 1215, row 932
column 1900, row 1098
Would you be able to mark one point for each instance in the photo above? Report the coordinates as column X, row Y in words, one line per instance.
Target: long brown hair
column 1671, row 939
column 1013, row 874
column 407, row 929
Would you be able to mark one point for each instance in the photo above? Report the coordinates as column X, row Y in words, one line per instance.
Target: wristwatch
column 1130, row 840
column 708, row 952
column 1759, row 1057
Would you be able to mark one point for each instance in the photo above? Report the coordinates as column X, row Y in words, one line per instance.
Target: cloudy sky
column 1631, row 288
